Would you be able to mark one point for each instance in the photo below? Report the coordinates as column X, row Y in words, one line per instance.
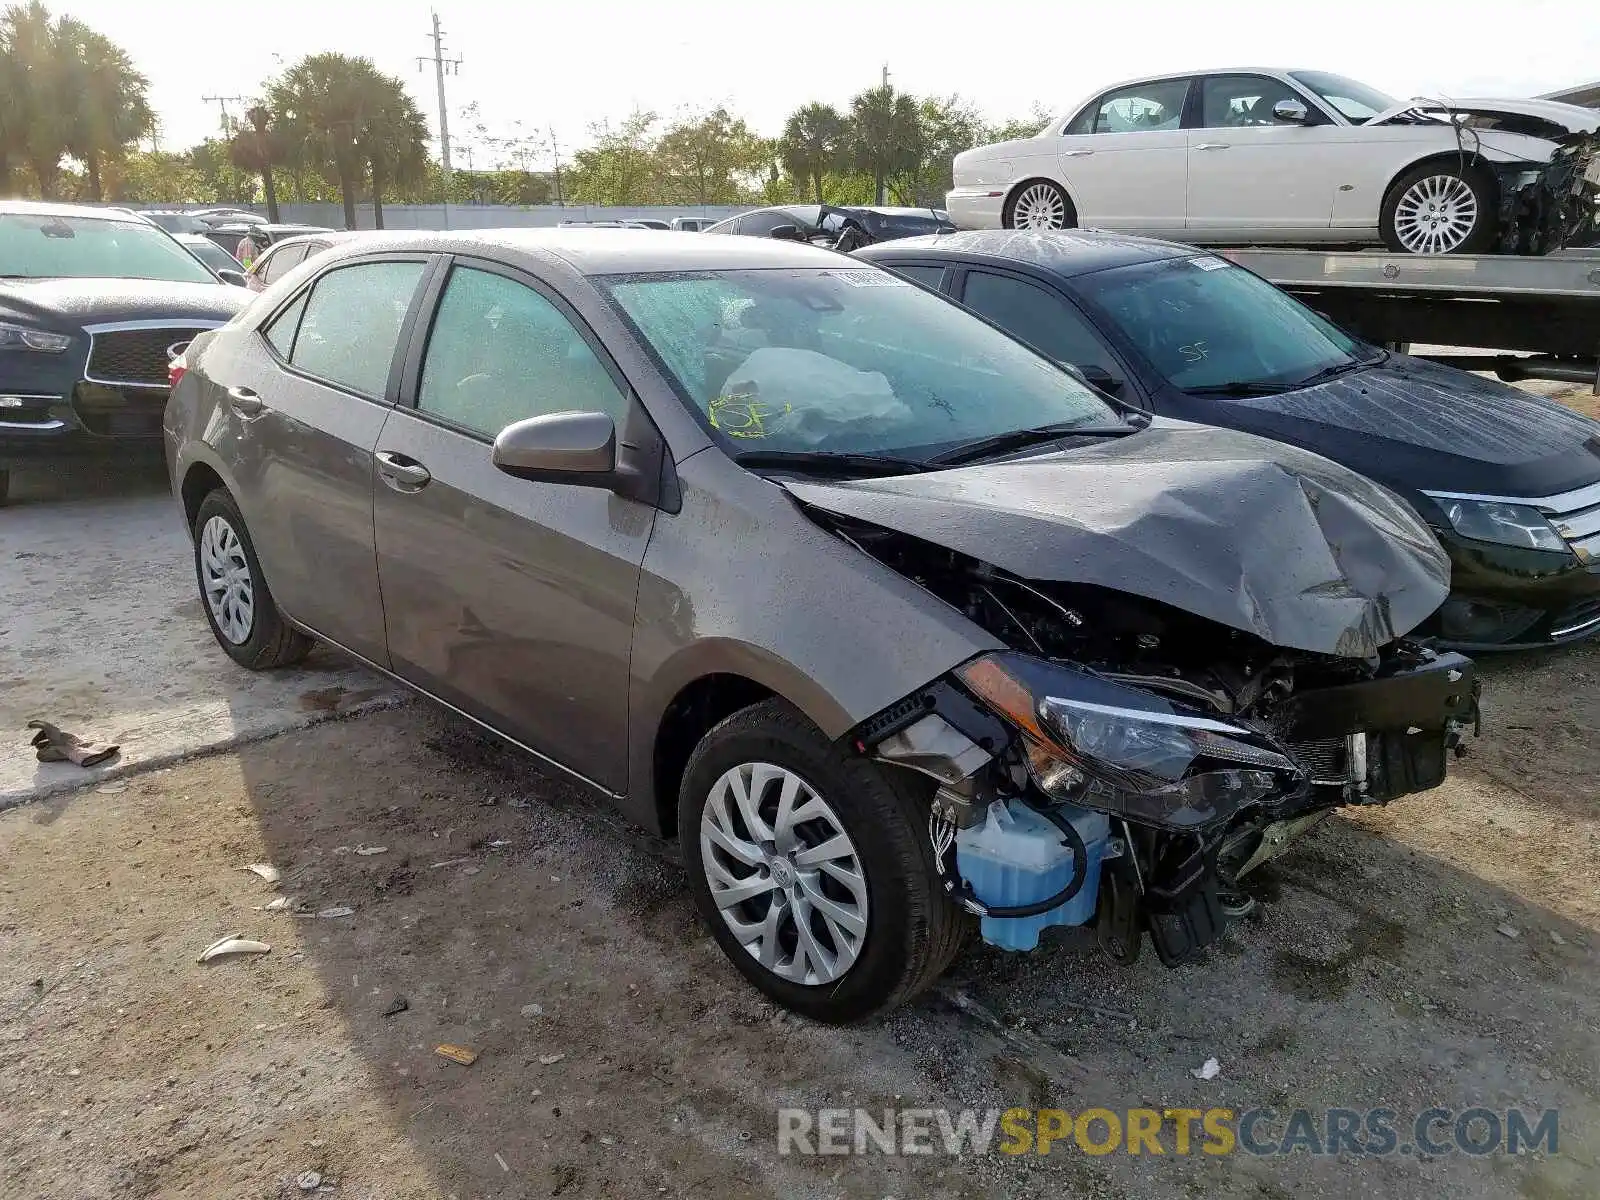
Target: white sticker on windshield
column 1207, row 263
column 870, row 279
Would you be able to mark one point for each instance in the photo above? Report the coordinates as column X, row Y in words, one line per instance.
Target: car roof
column 47, row 209
column 332, row 236
column 248, row 226
column 1062, row 252
column 613, row 251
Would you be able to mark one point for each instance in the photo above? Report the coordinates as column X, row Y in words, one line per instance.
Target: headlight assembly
column 1497, row 521
column 21, row 337
column 1119, row 749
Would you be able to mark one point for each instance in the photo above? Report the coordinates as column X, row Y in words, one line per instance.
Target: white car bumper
column 975, row 207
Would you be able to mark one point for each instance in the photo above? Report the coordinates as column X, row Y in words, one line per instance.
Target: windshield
column 40, row 247
column 843, row 360
column 1204, row 323
column 1356, row 102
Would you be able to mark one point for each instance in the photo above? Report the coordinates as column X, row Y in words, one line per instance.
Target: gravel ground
column 1442, row 951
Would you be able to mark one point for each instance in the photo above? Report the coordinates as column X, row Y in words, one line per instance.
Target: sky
column 564, row 66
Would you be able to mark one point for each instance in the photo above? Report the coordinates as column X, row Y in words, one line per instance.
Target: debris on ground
column 1209, row 1069
column 113, row 788
column 397, row 1006
column 1557, row 938
column 367, row 851
column 281, row 904
column 548, row 1060
column 502, row 1163
column 233, row 944
column 308, row 1181
column 457, row 1054
column 266, row 870
column 338, row 910
column 449, row 862
column 1509, row 931
column 54, row 744
column 532, row 1010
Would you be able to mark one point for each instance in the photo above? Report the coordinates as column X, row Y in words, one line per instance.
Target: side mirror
column 1290, row 111
column 229, row 275
column 785, row 233
column 570, row 447
column 1098, row 378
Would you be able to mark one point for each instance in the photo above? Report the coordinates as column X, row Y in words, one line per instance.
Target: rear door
column 304, row 400
column 1125, row 159
column 509, row 599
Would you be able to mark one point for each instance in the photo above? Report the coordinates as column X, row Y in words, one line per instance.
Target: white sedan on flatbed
column 1271, row 156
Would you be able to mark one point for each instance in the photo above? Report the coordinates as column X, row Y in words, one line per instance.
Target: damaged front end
column 1126, row 763
column 1553, row 205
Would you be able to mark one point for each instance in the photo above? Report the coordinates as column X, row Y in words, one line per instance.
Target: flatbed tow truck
column 1542, row 312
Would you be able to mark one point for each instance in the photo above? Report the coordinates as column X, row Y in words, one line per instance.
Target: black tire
column 1478, row 240
column 913, row 931
column 1058, row 195
column 272, row 641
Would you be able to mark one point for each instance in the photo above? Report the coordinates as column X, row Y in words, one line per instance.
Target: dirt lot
column 619, row 1055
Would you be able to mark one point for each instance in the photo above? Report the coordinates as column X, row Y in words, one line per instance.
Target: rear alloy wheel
column 813, row 866
column 1436, row 209
column 1039, row 204
column 238, row 604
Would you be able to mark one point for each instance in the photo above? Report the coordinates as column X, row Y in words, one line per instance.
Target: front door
column 304, row 402
column 512, row 600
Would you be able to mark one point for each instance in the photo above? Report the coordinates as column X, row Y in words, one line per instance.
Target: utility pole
column 223, row 102
column 555, row 151
column 441, row 65
column 885, row 74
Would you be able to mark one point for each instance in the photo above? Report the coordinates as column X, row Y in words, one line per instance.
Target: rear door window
column 1142, row 108
column 926, row 274
column 280, row 262
column 1038, row 316
column 352, row 322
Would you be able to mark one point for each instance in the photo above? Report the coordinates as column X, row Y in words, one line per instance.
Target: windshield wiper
column 1238, row 387
column 1017, row 439
column 825, row 462
column 1333, row 372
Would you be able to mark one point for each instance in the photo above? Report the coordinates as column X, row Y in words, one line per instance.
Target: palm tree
column 107, row 97
column 394, row 140
column 258, row 148
column 813, row 144
column 885, row 134
column 322, row 105
column 35, row 121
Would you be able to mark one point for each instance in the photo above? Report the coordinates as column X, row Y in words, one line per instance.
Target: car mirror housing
column 565, row 447
column 785, row 233
column 1096, row 377
column 1291, row 111
column 229, row 275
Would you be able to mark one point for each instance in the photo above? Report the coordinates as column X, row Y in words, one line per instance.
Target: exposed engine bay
column 1127, row 763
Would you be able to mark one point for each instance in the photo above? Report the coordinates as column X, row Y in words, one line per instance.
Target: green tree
column 37, row 122
column 885, row 135
column 106, row 99
column 1019, row 127
column 620, row 167
column 712, row 158
column 322, row 105
column 149, row 177
column 257, row 147
column 393, row 139
column 814, row 144
column 947, row 126
column 220, row 181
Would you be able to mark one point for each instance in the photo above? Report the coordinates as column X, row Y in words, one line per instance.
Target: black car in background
column 90, row 301
column 842, row 228
column 1508, row 481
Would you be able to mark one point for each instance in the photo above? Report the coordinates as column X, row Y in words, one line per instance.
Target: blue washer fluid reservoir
column 1017, row 857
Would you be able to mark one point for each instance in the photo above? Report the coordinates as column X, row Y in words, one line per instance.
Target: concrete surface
column 101, row 632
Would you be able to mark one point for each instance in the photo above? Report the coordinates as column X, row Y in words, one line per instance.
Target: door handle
column 1213, row 145
column 401, row 473
column 1075, row 153
column 245, row 402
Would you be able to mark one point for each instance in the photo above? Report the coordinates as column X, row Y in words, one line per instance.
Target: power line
column 222, row 102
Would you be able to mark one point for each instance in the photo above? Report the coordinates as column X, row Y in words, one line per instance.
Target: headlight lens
column 1506, row 524
column 20, row 337
column 1103, row 745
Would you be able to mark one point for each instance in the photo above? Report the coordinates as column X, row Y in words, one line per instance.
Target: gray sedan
column 895, row 623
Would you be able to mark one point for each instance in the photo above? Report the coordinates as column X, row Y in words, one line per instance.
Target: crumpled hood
column 1417, row 424
column 79, row 302
column 1576, row 118
column 1249, row 533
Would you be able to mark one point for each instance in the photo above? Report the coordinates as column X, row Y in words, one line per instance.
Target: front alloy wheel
column 784, row 873
column 813, row 867
column 1435, row 215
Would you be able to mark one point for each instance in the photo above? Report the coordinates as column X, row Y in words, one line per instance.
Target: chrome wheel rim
column 1040, row 207
column 225, row 579
column 1435, row 215
column 784, row 874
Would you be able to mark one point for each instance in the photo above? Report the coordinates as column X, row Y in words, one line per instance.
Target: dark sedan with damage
column 838, row 227
column 1508, row 481
column 90, row 301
